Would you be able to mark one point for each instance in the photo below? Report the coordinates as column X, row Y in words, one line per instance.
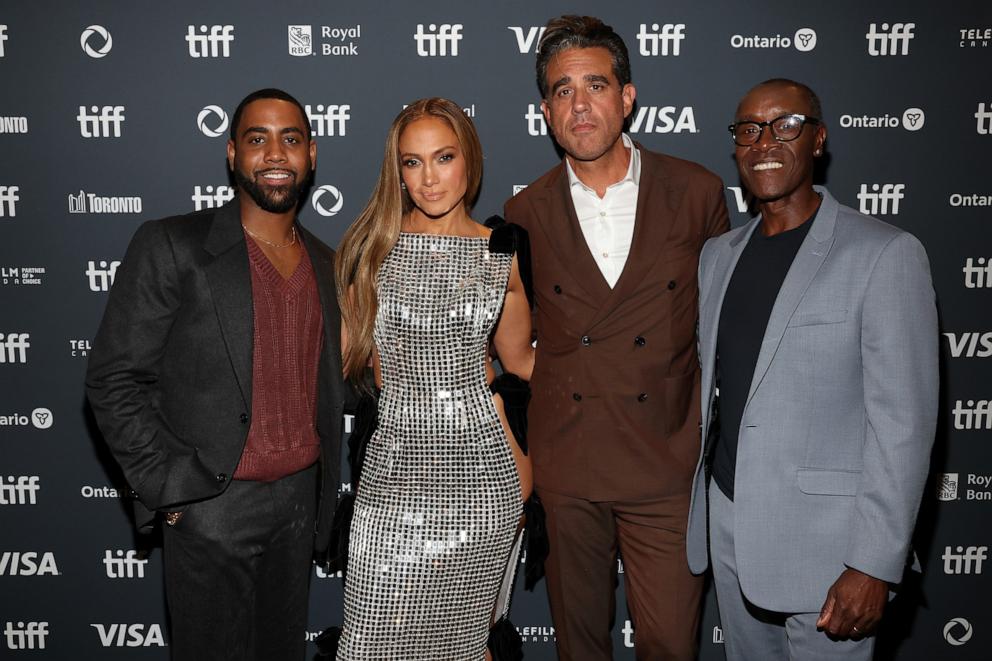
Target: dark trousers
column 662, row 595
column 237, row 572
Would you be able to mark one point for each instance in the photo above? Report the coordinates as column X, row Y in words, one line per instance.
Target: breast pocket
column 828, row 482
column 818, row 318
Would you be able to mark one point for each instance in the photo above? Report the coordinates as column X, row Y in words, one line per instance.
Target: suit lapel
column 229, row 277
column 323, row 268
column 808, row 261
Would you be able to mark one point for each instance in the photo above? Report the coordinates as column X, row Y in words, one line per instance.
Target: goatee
column 273, row 200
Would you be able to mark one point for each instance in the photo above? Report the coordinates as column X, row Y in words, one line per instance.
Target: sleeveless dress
column 432, row 545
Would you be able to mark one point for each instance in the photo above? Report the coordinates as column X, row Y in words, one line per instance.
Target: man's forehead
column 272, row 111
column 774, row 98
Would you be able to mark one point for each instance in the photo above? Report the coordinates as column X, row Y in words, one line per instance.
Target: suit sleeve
column 899, row 347
column 717, row 217
column 123, row 369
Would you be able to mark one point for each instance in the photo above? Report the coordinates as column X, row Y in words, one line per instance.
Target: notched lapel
column 711, row 299
column 323, row 268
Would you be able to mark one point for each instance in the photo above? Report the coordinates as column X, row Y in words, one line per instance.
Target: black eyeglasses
column 784, row 129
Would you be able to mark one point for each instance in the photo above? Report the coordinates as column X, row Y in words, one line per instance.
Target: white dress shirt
column 608, row 223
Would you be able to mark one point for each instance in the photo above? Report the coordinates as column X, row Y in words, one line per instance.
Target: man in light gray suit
column 818, row 342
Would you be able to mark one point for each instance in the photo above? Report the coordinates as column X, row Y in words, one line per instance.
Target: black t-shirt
column 747, row 305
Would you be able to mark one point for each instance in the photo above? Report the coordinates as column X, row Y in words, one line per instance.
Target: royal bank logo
column 662, row 39
column 947, row 487
column 96, row 41
column 124, row 564
column 100, row 121
column 889, row 40
column 3, row 39
column 529, row 41
column 13, row 125
column 663, row 119
column 975, row 37
column 83, row 202
column 969, row 345
column 210, row 197
column 438, row 40
column 912, row 119
column 535, row 120
column 984, row 117
column 964, row 560
column 977, row 273
column 100, row 275
column 210, row 41
column 327, row 200
column 300, row 40
column 8, row 201
column 212, row 121
column 79, row 348
column 40, row 418
column 335, row 40
column 21, row 275
column 329, row 120
column 972, row 414
column 803, row 40
column 19, row 490
column 958, row 631
column 25, row 635
column 130, row 635
column 28, row 563
column 880, row 199
column 14, row 347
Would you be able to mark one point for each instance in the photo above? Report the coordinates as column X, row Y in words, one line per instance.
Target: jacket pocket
column 828, row 482
column 816, row 318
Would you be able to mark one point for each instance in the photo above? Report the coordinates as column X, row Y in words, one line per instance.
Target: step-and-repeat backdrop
column 112, row 113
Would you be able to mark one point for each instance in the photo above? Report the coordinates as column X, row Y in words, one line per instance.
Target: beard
column 272, row 199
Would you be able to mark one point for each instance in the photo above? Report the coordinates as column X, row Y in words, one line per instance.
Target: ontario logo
column 803, row 40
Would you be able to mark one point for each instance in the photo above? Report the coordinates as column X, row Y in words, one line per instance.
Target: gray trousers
column 751, row 633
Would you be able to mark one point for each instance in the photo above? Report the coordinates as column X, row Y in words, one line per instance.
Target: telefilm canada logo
column 327, row 200
column 79, row 348
column 911, row 119
column 83, row 202
column 974, row 37
column 803, row 40
column 96, row 41
column 336, row 40
column 21, row 275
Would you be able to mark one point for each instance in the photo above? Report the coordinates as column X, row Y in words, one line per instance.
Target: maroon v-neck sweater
column 287, row 342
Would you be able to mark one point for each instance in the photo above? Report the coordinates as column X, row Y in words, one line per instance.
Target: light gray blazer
column 836, row 434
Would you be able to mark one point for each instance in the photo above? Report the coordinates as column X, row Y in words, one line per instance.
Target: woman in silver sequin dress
column 439, row 500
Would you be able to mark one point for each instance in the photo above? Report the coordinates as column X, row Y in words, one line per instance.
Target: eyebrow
column 264, row 130
column 436, row 151
column 589, row 78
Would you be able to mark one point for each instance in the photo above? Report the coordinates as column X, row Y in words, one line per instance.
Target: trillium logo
column 805, row 39
column 102, row 33
column 217, row 113
column 331, row 205
column 913, row 119
column 958, row 631
column 42, row 418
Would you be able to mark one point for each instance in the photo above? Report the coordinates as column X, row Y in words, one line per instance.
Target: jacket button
column 557, row 289
column 244, row 418
column 586, row 340
column 671, row 284
column 221, row 477
column 576, row 396
column 640, row 341
column 643, row 397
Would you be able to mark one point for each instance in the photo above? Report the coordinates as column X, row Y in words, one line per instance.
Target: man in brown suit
column 615, row 233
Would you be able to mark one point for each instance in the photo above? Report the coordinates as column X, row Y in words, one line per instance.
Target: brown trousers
column 663, row 597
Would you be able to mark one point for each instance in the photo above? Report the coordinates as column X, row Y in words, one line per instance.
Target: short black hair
column 814, row 101
column 268, row 93
column 572, row 31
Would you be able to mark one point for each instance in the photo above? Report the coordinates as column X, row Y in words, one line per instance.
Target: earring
column 403, row 185
column 817, row 152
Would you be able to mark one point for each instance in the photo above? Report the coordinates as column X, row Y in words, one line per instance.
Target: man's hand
column 854, row 605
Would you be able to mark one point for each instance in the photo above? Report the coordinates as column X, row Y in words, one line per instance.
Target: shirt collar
column 633, row 167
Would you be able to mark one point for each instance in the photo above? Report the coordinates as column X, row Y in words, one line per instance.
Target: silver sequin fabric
column 438, row 502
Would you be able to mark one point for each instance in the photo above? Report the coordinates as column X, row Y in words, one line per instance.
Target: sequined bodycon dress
column 438, row 502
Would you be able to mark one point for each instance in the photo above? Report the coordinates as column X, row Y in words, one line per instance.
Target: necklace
column 267, row 242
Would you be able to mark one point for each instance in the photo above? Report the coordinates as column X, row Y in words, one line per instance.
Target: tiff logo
column 329, row 120
column 101, row 278
column 965, row 560
column 102, row 123
column 970, row 345
column 208, row 198
column 977, row 273
column 530, row 42
column 8, row 200
column 894, row 41
column 124, row 564
column 14, row 347
column 972, row 414
column 20, row 490
column 661, row 40
column 26, row 635
column 3, row 38
column 441, row 40
column 984, row 117
column 214, row 41
column 535, row 121
column 883, row 199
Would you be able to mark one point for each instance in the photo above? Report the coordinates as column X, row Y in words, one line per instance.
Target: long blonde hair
column 377, row 229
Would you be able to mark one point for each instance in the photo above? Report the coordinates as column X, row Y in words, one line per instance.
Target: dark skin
column 780, row 176
column 274, row 150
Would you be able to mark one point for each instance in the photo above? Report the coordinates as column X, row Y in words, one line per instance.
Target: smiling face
column 272, row 156
column 586, row 104
column 772, row 170
column 433, row 167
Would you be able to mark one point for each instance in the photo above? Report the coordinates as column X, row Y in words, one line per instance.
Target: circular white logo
column 805, row 39
column 958, row 631
column 42, row 418
column 84, row 41
column 913, row 119
column 205, row 114
column 335, row 197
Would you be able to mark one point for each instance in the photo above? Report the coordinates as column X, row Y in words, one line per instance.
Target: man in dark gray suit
column 818, row 342
column 216, row 380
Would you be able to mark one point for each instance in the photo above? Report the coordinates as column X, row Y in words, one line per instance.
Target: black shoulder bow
column 512, row 238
